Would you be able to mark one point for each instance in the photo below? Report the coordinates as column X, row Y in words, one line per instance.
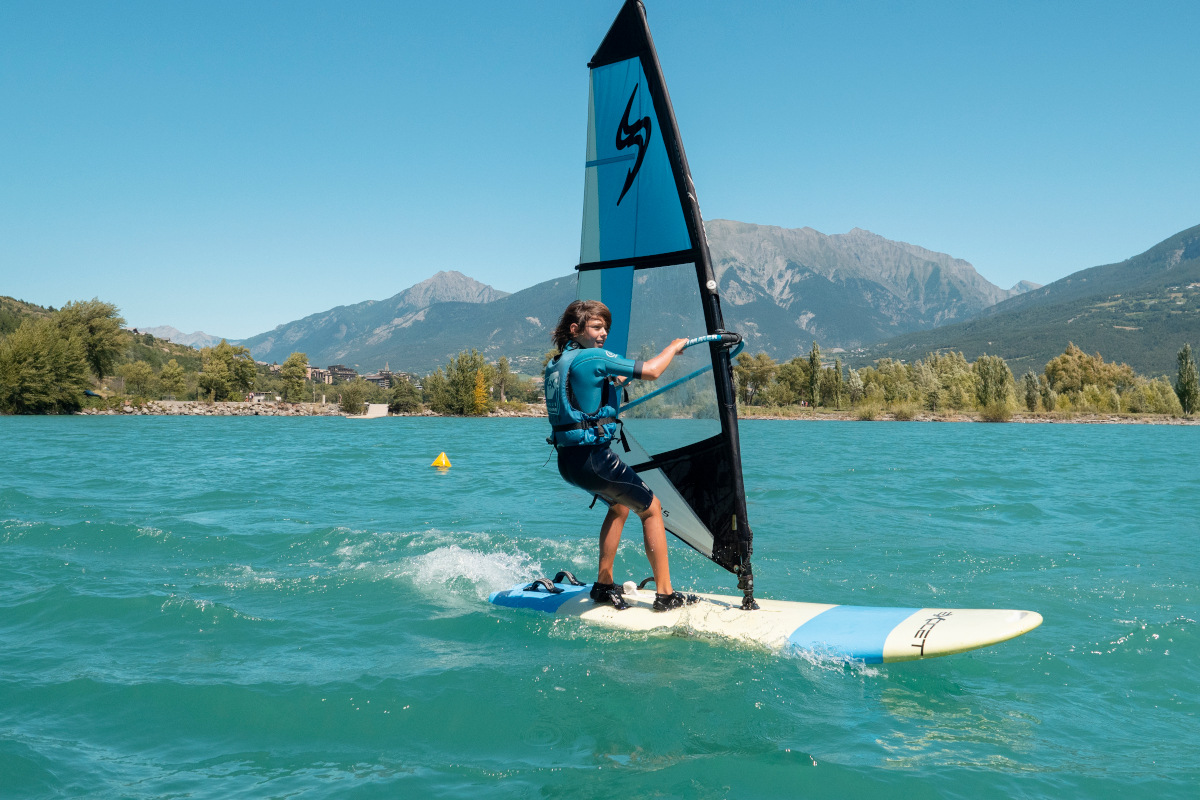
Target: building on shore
column 384, row 379
column 342, row 373
column 318, row 375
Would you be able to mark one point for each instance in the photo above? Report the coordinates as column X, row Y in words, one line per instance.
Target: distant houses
column 341, row 372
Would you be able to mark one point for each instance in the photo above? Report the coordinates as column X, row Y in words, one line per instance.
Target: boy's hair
column 579, row 313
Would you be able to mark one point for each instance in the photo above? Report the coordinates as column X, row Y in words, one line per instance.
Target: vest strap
column 582, row 426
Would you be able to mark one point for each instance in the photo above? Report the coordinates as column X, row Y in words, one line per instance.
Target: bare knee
column 618, row 512
column 655, row 510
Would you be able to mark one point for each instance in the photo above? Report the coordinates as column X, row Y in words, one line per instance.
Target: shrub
column 996, row 411
column 905, row 412
column 354, row 396
column 867, row 412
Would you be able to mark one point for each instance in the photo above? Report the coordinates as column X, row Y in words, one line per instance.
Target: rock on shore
column 197, row 408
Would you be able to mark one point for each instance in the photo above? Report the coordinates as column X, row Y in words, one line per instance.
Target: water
column 272, row 607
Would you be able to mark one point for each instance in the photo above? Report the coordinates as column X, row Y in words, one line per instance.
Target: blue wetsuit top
column 587, row 377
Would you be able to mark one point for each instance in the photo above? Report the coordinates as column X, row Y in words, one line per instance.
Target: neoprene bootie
column 666, row 602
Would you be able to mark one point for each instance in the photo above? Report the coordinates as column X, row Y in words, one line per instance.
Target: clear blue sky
column 233, row 166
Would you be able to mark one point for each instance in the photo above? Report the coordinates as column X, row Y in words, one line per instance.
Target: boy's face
column 594, row 333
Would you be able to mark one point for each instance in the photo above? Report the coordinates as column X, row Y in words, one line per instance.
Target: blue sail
column 644, row 254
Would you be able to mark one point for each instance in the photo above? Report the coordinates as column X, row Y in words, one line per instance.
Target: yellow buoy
column 441, row 460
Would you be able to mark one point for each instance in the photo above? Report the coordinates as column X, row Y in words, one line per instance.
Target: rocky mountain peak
column 446, row 287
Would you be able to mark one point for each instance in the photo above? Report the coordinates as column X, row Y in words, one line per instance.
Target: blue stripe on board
column 856, row 631
column 602, row 161
column 539, row 601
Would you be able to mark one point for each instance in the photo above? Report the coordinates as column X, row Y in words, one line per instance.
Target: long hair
column 578, row 313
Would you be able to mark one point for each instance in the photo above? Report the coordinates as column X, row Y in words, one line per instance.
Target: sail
column 644, row 254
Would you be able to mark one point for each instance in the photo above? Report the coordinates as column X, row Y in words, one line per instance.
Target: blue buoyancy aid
column 571, row 425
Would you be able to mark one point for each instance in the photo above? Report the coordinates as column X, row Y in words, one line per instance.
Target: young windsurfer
column 582, row 377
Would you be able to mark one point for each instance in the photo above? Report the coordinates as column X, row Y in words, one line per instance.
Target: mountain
column 785, row 287
column 197, row 340
column 1139, row 311
column 355, row 334
column 781, row 287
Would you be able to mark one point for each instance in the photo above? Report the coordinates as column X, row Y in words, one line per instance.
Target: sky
column 234, row 166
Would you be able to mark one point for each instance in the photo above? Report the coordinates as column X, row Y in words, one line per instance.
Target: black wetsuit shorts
column 597, row 470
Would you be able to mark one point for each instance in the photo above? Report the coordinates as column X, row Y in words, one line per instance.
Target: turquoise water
column 270, row 607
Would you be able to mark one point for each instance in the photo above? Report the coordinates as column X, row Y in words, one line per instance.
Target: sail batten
column 644, row 253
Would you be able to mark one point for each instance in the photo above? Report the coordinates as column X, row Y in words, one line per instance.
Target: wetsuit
column 595, row 468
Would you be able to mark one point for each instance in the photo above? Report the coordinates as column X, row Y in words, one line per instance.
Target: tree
column 481, row 398
column 455, row 390
column 837, row 383
column 814, row 374
column 405, row 398
column 1075, row 369
column 1033, row 390
column 42, row 370
column 171, row 378
column 97, row 326
column 992, row 377
column 855, row 387
column 754, row 374
column 794, row 376
column 226, row 368
column 1187, row 384
column 292, row 375
column 504, row 379
column 354, row 395
column 139, row 378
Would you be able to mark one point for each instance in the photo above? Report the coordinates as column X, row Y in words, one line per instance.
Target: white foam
column 469, row 571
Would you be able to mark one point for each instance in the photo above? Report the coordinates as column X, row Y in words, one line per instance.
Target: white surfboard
column 873, row 635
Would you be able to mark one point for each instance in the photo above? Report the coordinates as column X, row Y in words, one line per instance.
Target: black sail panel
column 644, row 253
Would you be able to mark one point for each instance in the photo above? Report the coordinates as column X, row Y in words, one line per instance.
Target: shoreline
column 200, row 408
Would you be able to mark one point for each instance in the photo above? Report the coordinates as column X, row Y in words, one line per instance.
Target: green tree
column 992, row 379
column 226, row 369
column 354, row 396
column 455, row 391
column 794, row 376
column 405, row 398
column 504, row 379
column 139, row 378
column 171, row 378
column 1187, row 384
column 838, row 384
column 814, row 374
column 97, row 326
column 855, row 388
column 754, row 373
column 292, row 375
column 437, row 393
column 42, row 370
column 1033, row 390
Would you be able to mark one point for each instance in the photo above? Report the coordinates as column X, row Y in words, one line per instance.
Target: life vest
column 571, row 425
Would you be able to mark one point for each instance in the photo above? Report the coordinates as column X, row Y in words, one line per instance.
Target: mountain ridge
column 1139, row 311
column 781, row 286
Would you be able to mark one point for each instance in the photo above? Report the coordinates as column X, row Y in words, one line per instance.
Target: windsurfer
column 585, row 376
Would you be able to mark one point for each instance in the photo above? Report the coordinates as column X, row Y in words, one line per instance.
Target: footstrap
column 545, row 584
column 571, row 579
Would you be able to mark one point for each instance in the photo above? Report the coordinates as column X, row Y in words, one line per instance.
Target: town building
column 382, row 379
column 318, row 375
column 342, row 373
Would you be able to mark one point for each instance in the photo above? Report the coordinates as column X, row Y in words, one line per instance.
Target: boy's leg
column 655, row 537
column 610, row 537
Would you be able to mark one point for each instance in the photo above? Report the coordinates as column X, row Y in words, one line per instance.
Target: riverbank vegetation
column 60, row 361
column 1073, row 382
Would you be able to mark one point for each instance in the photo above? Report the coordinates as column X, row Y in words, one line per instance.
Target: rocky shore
column 200, row 408
column 197, row 408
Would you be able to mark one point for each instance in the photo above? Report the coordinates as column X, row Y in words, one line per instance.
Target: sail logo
column 628, row 135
